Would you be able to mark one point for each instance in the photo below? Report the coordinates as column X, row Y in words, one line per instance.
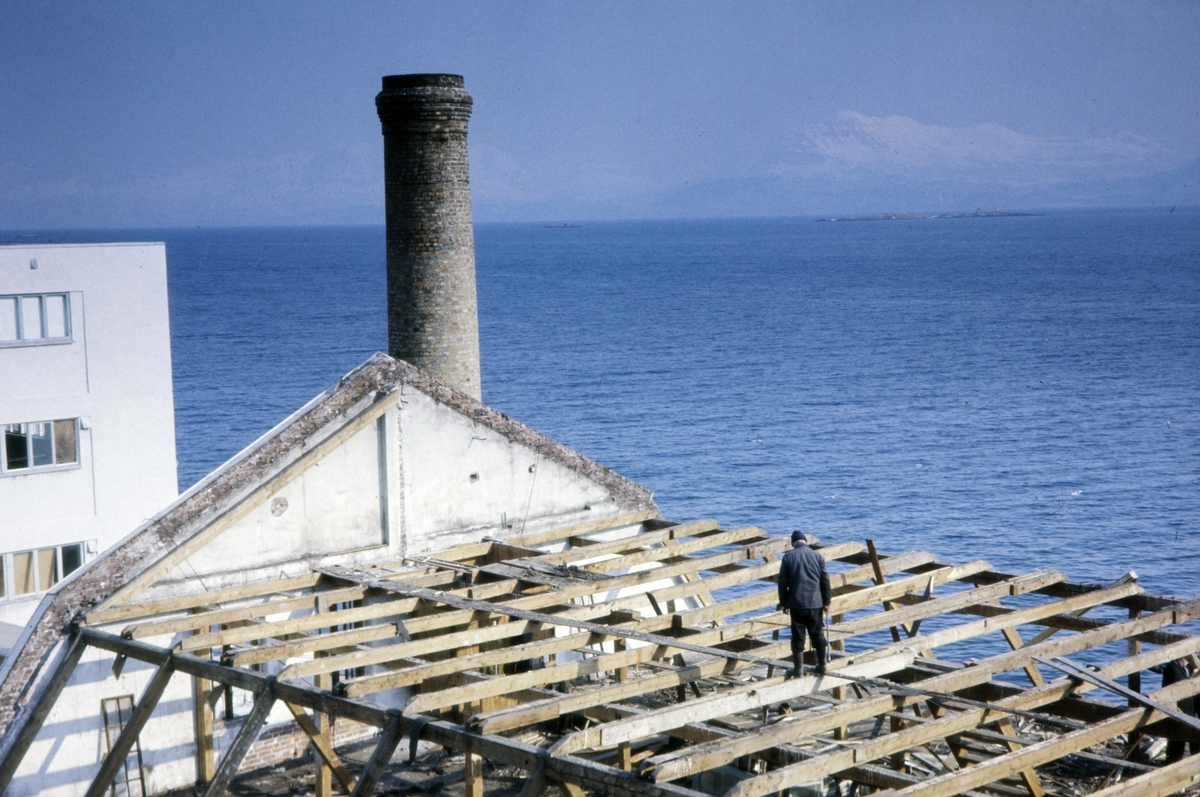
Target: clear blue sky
column 164, row 113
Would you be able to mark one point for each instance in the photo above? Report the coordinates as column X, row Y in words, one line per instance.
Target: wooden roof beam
column 591, row 527
column 496, row 748
column 668, row 767
column 135, row 611
column 986, row 772
column 696, row 528
column 192, row 622
column 921, row 609
column 657, row 647
column 406, row 606
column 980, row 774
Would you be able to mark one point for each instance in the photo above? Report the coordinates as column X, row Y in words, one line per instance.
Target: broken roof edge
column 228, row 485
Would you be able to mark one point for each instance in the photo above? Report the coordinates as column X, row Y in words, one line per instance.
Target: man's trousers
column 807, row 621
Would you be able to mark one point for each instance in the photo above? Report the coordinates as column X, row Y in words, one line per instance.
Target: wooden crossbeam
column 753, row 696
column 410, row 676
column 591, row 527
column 1029, row 775
column 282, row 628
column 986, row 772
column 541, row 710
column 1170, row 779
column 264, row 699
column 494, row 748
column 956, row 782
column 1014, row 618
column 633, row 542
column 382, row 754
column 672, row 548
column 135, row 611
column 949, row 603
column 423, row 647
column 429, row 618
column 1015, row 642
column 192, row 622
column 1045, row 634
column 546, row 709
column 658, row 648
column 1075, row 671
column 670, row 766
column 314, row 643
column 320, row 743
column 433, row 622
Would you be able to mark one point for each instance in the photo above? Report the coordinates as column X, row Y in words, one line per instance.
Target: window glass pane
column 31, row 317
column 56, row 316
column 64, row 442
column 3, row 586
column 23, row 573
column 47, row 560
column 72, row 558
column 42, row 437
column 16, row 447
column 8, row 318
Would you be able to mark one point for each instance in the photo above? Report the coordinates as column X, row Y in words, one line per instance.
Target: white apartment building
column 86, row 410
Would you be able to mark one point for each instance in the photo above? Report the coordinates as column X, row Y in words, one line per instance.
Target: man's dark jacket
column 1173, row 672
column 803, row 582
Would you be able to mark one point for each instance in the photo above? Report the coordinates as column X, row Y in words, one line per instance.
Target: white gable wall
column 464, row 481
column 336, row 506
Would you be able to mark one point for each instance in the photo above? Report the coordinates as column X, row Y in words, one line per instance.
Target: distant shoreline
column 979, row 214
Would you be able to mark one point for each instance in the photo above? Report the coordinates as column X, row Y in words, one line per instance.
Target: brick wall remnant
column 433, row 319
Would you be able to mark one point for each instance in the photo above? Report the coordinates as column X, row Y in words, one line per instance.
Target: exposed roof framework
column 653, row 665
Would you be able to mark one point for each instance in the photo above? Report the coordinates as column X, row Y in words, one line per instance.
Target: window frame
column 8, row 593
column 6, row 471
column 43, row 339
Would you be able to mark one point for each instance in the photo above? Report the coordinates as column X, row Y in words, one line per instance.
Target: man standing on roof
column 804, row 595
column 1173, row 672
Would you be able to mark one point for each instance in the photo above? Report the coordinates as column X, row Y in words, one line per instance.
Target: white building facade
column 87, row 415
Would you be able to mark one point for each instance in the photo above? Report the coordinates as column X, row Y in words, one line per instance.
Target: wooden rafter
column 605, row 636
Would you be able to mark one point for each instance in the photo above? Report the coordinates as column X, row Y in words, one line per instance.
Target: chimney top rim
column 421, row 80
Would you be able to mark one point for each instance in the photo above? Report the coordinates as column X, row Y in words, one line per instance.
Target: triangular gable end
column 389, row 464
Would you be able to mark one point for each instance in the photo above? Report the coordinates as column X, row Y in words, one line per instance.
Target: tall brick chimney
column 433, row 319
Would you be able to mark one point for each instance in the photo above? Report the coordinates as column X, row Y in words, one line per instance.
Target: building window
column 40, row 318
column 33, row 572
column 41, row 444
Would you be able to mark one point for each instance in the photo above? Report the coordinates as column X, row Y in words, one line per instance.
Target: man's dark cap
column 798, row 536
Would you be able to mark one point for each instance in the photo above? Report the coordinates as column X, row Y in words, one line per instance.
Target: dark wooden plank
column 264, row 699
column 380, row 758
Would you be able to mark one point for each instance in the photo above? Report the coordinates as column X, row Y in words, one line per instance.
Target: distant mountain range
column 785, row 194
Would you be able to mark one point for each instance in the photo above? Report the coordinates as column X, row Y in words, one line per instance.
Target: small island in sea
column 978, row 214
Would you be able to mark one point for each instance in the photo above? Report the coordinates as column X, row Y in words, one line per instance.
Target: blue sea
column 1021, row 389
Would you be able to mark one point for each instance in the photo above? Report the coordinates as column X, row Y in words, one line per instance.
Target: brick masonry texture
column 371, row 381
column 433, row 318
column 286, row 742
